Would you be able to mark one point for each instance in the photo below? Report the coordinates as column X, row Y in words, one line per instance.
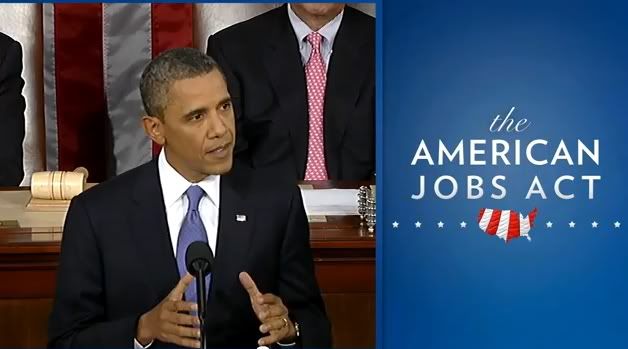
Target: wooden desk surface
column 336, row 232
column 344, row 255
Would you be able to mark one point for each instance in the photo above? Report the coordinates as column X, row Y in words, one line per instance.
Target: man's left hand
column 271, row 311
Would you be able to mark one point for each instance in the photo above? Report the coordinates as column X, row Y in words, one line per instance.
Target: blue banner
column 504, row 218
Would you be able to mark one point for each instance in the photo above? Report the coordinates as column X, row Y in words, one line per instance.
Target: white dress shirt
column 173, row 187
column 328, row 32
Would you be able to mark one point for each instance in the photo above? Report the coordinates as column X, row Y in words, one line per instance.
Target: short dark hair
column 168, row 67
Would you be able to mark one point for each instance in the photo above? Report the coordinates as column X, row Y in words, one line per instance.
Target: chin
column 221, row 168
column 320, row 9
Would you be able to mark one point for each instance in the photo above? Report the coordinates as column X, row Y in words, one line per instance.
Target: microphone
column 199, row 260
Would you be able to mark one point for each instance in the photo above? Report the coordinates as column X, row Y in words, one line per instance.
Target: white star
column 417, row 224
column 617, row 224
column 395, row 224
column 463, row 224
column 594, row 224
column 572, row 224
column 440, row 225
column 549, row 224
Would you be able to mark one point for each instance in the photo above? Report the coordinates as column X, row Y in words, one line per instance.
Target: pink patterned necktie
column 316, row 78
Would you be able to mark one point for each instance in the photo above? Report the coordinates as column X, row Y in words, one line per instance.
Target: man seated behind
column 122, row 279
column 12, row 114
column 302, row 77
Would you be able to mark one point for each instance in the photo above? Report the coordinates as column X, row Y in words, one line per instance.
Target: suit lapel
column 282, row 60
column 235, row 228
column 149, row 229
column 345, row 77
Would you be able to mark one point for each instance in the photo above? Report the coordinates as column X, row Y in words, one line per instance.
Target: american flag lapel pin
column 241, row 218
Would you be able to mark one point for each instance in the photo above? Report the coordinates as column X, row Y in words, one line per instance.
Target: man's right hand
column 170, row 322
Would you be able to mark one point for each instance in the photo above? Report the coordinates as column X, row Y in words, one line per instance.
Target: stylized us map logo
column 506, row 224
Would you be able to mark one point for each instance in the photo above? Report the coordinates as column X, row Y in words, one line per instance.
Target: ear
column 153, row 126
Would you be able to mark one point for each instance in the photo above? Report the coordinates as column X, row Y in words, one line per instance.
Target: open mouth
column 222, row 149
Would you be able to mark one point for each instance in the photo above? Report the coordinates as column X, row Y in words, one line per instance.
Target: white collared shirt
column 328, row 32
column 174, row 186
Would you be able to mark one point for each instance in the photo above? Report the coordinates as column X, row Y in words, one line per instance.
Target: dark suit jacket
column 12, row 107
column 117, row 261
column 266, row 78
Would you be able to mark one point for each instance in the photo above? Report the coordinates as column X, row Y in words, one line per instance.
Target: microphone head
column 199, row 257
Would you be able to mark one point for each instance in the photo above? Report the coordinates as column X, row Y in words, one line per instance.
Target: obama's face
column 197, row 128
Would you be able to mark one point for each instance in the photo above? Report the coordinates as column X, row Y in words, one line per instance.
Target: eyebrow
column 203, row 109
column 194, row 112
column 224, row 100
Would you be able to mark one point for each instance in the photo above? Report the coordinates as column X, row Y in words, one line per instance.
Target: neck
column 190, row 175
column 315, row 22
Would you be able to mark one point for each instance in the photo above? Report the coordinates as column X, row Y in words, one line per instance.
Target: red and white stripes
column 506, row 224
column 94, row 55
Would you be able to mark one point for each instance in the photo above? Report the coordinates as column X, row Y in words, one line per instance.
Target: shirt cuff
column 137, row 345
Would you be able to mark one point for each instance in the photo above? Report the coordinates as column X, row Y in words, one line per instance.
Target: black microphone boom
column 199, row 260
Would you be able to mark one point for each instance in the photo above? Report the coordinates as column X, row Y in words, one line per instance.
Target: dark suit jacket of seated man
column 264, row 63
column 118, row 269
column 12, row 113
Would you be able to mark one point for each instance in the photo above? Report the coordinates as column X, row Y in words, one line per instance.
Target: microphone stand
column 199, row 260
column 201, row 294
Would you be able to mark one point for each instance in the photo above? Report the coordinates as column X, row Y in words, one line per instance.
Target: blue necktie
column 192, row 230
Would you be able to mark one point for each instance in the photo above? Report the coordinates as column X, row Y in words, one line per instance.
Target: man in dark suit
column 121, row 281
column 302, row 80
column 12, row 107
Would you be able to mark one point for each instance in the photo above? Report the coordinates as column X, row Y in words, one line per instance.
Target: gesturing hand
column 170, row 321
column 271, row 311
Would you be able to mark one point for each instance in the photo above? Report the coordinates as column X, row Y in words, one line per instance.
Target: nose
column 216, row 127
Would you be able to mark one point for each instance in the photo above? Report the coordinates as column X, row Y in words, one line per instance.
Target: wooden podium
column 344, row 256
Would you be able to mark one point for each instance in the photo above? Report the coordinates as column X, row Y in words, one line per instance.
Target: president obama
column 122, row 280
